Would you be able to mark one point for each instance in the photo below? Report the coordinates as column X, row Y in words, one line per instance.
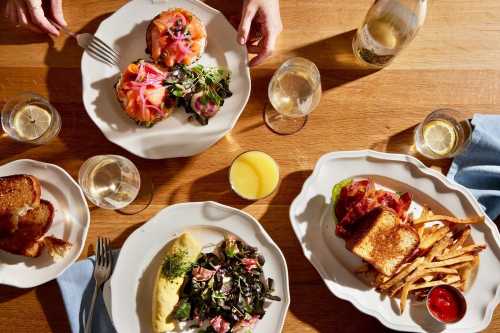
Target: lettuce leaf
column 336, row 192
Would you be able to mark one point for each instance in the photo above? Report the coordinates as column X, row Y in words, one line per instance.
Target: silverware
column 102, row 271
column 96, row 47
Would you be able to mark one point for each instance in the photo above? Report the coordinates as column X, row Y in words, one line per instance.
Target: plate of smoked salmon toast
column 181, row 83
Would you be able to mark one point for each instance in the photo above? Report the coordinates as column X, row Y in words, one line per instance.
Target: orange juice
column 254, row 175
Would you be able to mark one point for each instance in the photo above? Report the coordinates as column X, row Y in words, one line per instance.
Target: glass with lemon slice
column 30, row 118
column 444, row 133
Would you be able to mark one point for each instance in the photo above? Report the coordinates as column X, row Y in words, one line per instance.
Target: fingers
column 57, row 12
column 22, row 18
column 10, row 12
column 249, row 11
column 263, row 52
column 38, row 17
column 265, row 48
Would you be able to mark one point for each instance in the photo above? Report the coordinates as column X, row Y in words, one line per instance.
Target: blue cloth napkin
column 478, row 166
column 77, row 285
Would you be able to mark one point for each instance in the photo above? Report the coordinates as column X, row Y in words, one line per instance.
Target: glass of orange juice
column 254, row 175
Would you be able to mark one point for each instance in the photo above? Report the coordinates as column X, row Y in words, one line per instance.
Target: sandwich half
column 381, row 240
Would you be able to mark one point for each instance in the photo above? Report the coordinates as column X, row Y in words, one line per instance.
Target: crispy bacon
column 359, row 198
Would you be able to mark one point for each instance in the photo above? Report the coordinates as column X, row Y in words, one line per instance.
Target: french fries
column 446, row 256
column 451, row 219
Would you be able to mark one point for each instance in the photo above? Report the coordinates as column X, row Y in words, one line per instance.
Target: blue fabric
column 478, row 166
column 77, row 286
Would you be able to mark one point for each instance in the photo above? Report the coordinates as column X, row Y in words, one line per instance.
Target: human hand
column 31, row 15
column 265, row 14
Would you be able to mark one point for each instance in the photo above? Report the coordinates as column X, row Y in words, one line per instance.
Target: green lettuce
column 336, row 192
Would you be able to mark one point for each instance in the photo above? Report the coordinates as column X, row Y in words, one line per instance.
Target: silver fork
column 102, row 271
column 95, row 46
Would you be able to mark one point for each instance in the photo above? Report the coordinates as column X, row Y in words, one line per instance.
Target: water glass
column 30, row 118
column 444, row 133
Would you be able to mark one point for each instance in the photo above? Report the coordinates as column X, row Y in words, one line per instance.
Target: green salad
column 226, row 290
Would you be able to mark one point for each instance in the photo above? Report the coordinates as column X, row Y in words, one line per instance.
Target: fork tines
column 103, row 51
column 103, row 252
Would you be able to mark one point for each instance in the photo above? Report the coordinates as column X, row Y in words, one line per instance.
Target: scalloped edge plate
column 175, row 136
column 129, row 296
column 311, row 211
column 71, row 223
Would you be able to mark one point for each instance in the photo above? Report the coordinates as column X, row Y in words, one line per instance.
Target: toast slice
column 381, row 240
column 18, row 194
column 27, row 239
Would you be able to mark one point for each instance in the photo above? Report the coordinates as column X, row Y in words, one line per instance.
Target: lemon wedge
column 31, row 122
column 440, row 136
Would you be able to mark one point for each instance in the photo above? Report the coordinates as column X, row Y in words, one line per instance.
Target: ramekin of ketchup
column 446, row 304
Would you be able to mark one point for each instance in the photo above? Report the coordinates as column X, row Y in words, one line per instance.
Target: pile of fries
column 446, row 255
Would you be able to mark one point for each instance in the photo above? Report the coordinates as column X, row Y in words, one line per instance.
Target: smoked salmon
column 142, row 94
column 175, row 36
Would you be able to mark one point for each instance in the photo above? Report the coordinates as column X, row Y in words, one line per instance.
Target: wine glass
column 294, row 92
column 113, row 182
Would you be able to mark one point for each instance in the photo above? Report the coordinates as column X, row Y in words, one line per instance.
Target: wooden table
column 453, row 62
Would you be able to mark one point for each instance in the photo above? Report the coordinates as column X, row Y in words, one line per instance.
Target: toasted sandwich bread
column 381, row 240
column 27, row 239
column 18, row 194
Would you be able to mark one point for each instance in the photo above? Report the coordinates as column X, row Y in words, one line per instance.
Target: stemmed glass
column 294, row 92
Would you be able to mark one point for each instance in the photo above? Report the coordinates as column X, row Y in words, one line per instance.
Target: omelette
column 179, row 256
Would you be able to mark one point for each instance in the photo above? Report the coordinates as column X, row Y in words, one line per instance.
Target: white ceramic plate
column 312, row 221
column 71, row 222
column 131, row 284
column 125, row 31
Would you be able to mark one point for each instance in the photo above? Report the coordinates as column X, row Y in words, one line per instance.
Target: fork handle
column 88, row 324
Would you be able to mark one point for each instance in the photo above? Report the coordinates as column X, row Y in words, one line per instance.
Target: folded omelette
column 179, row 256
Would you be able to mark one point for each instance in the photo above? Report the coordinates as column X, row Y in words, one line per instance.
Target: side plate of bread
column 43, row 222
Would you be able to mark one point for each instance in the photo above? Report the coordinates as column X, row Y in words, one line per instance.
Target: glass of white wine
column 110, row 181
column 30, row 118
column 294, row 92
column 444, row 133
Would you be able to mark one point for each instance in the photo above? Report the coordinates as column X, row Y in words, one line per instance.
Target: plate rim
column 333, row 288
column 85, row 226
column 141, row 153
column 285, row 298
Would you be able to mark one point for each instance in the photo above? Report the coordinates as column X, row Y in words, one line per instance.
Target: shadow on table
column 403, row 142
column 214, row 187
column 52, row 304
column 311, row 302
column 336, row 52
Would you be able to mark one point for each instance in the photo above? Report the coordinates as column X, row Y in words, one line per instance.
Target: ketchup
column 445, row 305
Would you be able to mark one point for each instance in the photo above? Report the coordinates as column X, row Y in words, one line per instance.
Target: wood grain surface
column 453, row 62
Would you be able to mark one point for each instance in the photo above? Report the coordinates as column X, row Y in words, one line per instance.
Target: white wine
column 294, row 93
column 110, row 181
column 389, row 26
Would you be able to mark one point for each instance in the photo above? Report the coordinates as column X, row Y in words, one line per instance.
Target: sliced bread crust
column 18, row 195
column 27, row 239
